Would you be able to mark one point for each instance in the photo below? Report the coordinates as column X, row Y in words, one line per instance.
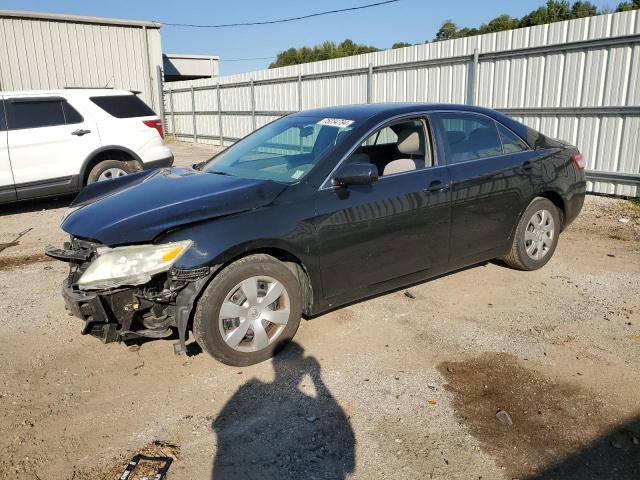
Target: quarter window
column 25, row 113
column 123, row 106
column 511, row 143
column 469, row 136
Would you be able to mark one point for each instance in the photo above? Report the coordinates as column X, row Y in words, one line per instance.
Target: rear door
column 7, row 188
column 48, row 142
column 493, row 174
column 397, row 226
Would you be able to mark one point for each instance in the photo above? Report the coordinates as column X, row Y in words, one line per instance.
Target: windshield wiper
column 219, row 172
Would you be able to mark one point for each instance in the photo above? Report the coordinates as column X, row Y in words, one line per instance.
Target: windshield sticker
column 335, row 122
column 297, row 174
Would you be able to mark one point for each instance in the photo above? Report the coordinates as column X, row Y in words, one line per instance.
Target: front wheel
column 249, row 311
column 536, row 236
column 108, row 170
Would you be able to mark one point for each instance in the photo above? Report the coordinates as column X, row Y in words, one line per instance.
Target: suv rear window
column 123, row 106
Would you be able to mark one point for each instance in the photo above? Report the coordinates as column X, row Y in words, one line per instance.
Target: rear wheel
column 249, row 311
column 536, row 236
column 108, row 170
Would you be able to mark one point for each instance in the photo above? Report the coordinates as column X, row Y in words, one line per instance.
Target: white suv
column 56, row 142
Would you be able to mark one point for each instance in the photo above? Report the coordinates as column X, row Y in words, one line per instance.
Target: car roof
column 68, row 92
column 378, row 112
column 367, row 111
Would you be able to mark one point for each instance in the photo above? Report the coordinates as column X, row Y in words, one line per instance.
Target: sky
column 411, row 21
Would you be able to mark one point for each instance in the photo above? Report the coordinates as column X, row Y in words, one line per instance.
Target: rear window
column 123, row 106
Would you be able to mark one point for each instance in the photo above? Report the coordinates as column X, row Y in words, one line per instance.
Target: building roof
column 77, row 19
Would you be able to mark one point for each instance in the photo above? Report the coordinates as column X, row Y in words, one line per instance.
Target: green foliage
column 324, row 51
column 400, row 45
column 552, row 11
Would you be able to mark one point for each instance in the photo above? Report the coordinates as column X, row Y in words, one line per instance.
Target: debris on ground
column 15, row 241
column 504, row 417
column 142, row 466
column 409, row 294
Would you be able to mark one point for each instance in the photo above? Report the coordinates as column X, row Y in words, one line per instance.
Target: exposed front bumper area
column 153, row 310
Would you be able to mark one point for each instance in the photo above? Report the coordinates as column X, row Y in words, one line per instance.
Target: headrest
column 411, row 141
column 455, row 136
column 483, row 134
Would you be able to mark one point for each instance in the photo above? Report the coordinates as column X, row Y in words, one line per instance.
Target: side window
column 123, row 106
column 3, row 120
column 397, row 148
column 468, row 136
column 71, row 115
column 34, row 113
column 511, row 143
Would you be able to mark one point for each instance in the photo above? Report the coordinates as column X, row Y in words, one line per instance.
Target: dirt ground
column 394, row 387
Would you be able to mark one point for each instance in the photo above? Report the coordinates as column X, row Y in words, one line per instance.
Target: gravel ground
column 393, row 387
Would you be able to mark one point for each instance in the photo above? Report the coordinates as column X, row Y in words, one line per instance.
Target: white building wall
column 48, row 51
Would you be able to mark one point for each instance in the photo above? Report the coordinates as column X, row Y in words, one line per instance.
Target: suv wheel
column 249, row 311
column 108, row 170
column 536, row 236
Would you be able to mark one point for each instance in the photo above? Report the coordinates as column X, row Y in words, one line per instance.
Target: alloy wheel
column 539, row 234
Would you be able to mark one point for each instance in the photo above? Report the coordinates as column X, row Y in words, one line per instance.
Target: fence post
column 370, row 83
column 299, row 92
column 474, row 79
column 173, row 118
column 219, row 115
column 159, row 79
column 253, row 105
column 193, row 115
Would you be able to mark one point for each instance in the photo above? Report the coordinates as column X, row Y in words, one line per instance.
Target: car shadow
column 614, row 455
column 277, row 430
column 29, row 206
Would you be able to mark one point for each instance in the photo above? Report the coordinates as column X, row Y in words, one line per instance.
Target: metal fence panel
column 577, row 80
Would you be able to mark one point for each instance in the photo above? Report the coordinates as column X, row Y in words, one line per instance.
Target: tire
column 535, row 238
column 210, row 324
column 107, row 167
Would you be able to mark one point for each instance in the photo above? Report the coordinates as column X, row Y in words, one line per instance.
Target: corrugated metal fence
column 577, row 80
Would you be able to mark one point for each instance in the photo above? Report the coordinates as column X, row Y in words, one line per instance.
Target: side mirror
column 355, row 174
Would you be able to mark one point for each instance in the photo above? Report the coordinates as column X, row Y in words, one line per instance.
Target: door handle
column 526, row 166
column 436, row 186
column 80, row 132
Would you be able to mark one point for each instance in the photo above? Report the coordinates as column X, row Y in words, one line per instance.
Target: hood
column 137, row 208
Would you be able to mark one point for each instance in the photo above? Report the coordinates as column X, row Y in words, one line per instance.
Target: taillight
column 157, row 124
column 578, row 161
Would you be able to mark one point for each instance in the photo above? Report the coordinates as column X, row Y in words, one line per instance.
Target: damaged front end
column 130, row 292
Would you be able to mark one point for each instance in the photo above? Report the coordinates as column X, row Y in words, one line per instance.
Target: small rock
column 623, row 220
column 398, row 440
column 611, row 255
column 432, row 402
column 310, row 419
column 504, row 417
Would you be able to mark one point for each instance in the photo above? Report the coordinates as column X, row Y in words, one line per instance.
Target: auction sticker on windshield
column 335, row 122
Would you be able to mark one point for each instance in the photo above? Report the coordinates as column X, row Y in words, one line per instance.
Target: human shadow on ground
column 275, row 430
column 615, row 455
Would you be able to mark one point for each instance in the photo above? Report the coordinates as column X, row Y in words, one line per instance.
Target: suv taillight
column 578, row 161
column 157, row 124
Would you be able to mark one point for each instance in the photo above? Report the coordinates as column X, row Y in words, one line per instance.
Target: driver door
column 397, row 226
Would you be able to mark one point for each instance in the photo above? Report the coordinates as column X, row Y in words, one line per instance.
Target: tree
column 627, row 6
column 400, row 45
column 583, row 9
column 448, row 30
column 499, row 24
column 323, row 51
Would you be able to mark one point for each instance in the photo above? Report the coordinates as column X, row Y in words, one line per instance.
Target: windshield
column 284, row 151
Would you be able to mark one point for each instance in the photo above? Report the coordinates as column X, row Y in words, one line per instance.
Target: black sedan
column 310, row 212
